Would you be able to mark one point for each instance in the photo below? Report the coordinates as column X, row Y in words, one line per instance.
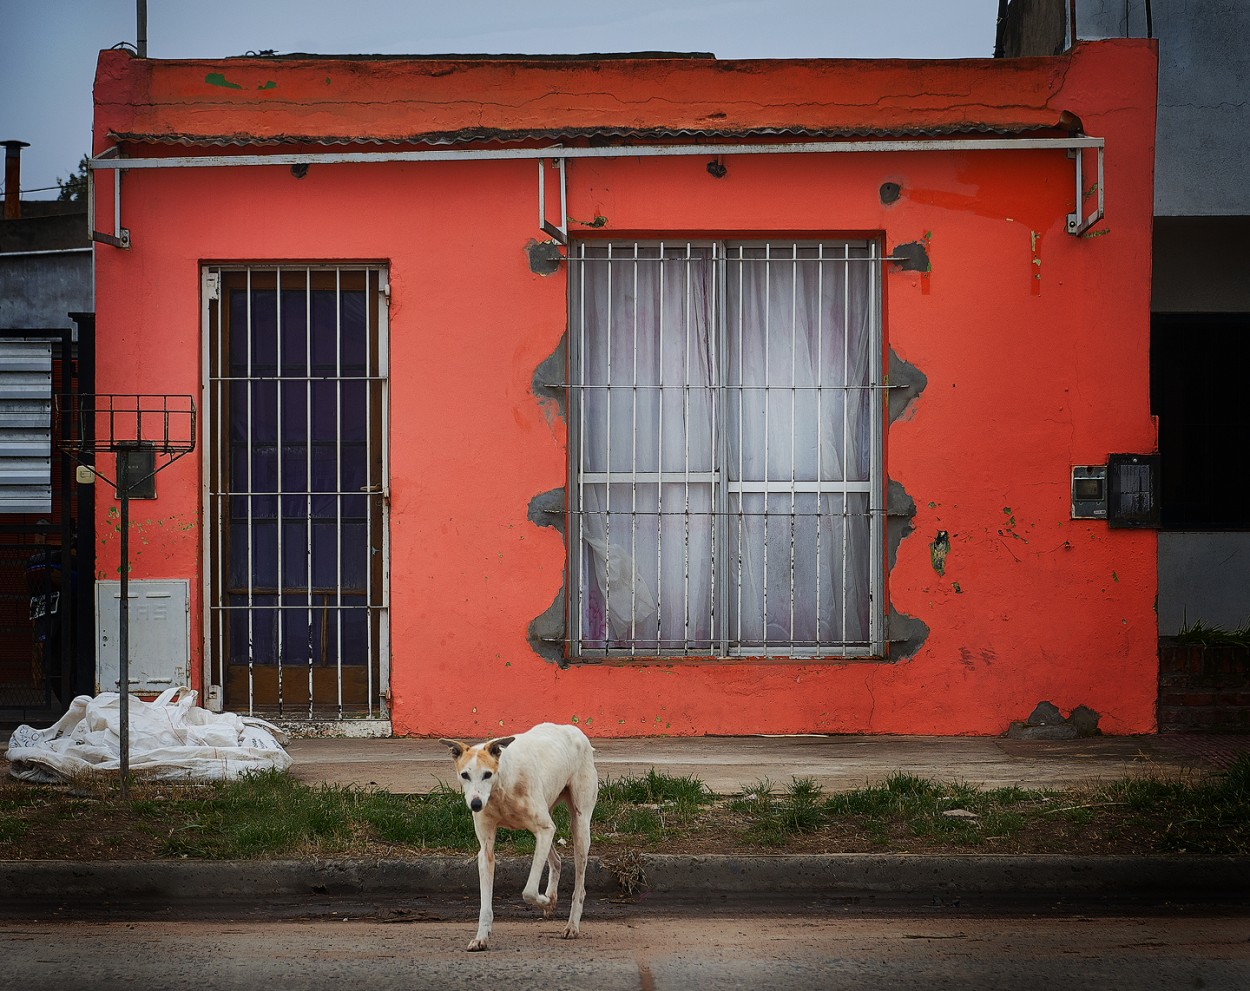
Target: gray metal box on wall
column 160, row 634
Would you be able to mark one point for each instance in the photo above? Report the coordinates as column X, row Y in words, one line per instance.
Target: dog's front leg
column 486, row 882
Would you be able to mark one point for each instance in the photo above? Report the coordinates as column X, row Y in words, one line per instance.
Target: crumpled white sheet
column 171, row 738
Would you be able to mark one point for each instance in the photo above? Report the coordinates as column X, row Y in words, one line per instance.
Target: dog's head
column 477, row 765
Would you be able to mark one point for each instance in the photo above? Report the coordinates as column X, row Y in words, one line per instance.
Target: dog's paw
column 550, row 908
column 478, row 945
column 572, row 932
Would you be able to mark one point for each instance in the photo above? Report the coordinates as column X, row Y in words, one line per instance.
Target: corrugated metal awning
column 1061, row 124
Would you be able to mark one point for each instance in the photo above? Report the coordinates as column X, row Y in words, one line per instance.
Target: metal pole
column 123, row 639
column 141, row 28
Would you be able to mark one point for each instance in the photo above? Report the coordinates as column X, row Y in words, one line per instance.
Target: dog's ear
column 495, row 747
column 457, row 748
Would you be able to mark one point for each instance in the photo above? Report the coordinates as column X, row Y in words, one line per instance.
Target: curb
column 189, row 889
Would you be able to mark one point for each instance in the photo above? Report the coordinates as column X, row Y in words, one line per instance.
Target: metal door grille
column 295, row 410
column 725, row 438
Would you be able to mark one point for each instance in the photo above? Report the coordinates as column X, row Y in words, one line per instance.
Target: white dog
column 514, row 782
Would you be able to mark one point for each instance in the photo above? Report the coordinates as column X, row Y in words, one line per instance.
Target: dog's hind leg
column 581, row 808
column 486, row 883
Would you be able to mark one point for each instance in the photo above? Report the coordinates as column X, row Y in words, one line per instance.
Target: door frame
column 378, row 704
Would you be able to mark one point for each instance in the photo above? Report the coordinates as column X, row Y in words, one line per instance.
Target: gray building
column 46, row 274
column 45, row 256
column 1200, row 300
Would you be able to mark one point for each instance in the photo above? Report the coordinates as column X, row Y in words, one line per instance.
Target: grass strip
column 273, row 816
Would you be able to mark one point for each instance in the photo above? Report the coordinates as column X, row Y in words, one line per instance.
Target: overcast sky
column 48, row 48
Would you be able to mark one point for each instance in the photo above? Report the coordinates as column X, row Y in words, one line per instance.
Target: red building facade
column 667, row 396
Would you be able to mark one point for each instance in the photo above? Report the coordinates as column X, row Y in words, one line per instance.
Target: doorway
column 295, row 477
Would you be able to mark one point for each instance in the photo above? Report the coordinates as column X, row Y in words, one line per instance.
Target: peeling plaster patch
column 544, row 257
column 547, row 509
column 900, row 510
column 906, row 383
column 907, row 635
column 548, row 382
column 219, row 79
column 938, row 549
column 911, row 257
column 1046, row 722
column 546, row 633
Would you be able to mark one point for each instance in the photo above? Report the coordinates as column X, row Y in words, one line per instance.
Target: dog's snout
column 476, row 805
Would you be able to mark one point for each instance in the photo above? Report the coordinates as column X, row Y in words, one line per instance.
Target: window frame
column 723, row 642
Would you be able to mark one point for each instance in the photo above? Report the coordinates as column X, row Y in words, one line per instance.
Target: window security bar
column 295, row 401
column 725, row 493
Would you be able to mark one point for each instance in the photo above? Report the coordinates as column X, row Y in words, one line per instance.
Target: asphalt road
column 639, row 953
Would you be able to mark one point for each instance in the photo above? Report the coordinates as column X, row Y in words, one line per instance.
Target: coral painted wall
column 1035, row 345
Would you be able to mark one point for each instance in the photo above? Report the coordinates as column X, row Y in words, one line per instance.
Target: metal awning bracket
column 1078, row 223
column 120, row 238
column 560, row 232
column 1076, row 147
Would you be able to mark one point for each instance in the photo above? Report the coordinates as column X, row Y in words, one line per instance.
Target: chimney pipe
column 13, row 178
column 141, row 28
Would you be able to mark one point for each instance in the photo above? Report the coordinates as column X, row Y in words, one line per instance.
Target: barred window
column 725, row 454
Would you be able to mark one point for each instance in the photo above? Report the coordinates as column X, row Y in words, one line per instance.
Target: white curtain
column 747, row 396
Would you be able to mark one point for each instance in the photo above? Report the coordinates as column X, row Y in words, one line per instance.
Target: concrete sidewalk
column 837, row 763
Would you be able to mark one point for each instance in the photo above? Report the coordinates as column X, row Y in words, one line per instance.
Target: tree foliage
column 74, row 188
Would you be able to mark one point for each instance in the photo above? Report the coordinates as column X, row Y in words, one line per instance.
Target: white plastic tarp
column 171, row 738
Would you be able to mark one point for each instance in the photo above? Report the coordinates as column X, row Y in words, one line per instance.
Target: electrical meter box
column 1089, row 492
column 160, row 634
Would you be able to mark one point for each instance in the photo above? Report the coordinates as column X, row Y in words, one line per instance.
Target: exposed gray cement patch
column 1046, row 722
column 544, row 256
column 906, row 634
column 549, row 378
column 900, row 510
column 906, row 383
column 547, row 509
column 911, row 257
column 546, row 632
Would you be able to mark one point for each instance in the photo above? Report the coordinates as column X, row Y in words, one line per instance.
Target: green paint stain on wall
column 269, row 85
column 218, row 79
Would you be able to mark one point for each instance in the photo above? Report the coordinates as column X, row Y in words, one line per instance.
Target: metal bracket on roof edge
column 559, row 232
column 1078, row 223
column 120, row 238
